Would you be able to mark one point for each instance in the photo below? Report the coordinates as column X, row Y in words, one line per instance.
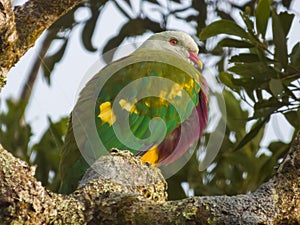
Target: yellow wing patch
column 128, row 106
column 189, row 85
column 106, row 113
column 176, row 91
column 165, row 95
column 151, row 156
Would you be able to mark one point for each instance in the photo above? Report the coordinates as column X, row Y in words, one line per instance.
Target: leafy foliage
column 15, row 133
column 255, row 67
column 15, row 136
column 262, row 77
column 47, row 153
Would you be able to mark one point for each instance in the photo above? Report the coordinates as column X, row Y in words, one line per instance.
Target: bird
column 153, row 102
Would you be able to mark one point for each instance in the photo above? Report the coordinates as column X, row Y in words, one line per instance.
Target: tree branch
column 20, row 28
column 8, row 36
column 119, row 189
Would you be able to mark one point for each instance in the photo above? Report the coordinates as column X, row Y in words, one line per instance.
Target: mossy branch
column 119, row 189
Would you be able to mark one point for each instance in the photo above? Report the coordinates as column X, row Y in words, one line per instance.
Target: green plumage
column 140, row 88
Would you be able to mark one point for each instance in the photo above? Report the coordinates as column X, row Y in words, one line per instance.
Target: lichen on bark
column 138, row 196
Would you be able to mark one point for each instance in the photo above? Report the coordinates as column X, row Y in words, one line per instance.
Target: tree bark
column 20, row 27
column 120, row 189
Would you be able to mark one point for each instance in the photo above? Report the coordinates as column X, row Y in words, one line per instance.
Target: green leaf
column 49, row 62
column 286, row 20
column 249, row 24
column 128, row 3
column 110, row 48
column 252, row 133
column 154, row 2
column 276, row 87
column 294, row 118
column 287, row 3
column 48, row 152
column 267, row 168
column 245, row 57
column 15, row 133
column 266, row 106
column 262, row 14
column 266, row 103
column 224, row 15
column 281, row 25
column 257, row 70
column 236, row 116
column 243, row 159
column 295, row 56
column 227, row 79
column 223, row 27
column 278, row 150
column 246, row 83
column 88, row 30
column 233, row 43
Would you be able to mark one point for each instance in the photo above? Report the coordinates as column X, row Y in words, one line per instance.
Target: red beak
column 195, row 59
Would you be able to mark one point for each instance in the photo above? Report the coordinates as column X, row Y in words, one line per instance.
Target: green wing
column 130, row 104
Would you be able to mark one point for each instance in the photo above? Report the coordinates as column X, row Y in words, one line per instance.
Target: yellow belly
column 151, row 156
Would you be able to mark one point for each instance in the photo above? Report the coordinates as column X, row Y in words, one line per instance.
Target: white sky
column 58, row 99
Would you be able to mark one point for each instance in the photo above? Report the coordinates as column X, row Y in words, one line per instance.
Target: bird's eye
column 173, row 41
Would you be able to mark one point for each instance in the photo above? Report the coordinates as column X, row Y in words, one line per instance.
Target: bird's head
column 177, row 42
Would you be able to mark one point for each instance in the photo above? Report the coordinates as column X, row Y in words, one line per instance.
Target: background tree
column 261, row 73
